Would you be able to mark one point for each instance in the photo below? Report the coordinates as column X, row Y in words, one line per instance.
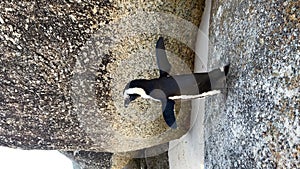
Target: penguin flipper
column 161, row 58
column 168, row 113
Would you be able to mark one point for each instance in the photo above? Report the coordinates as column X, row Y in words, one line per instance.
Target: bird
column 168, row 88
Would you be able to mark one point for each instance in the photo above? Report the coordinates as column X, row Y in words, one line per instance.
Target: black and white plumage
column 167, row 88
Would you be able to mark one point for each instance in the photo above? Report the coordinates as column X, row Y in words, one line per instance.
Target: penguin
column 167, row 88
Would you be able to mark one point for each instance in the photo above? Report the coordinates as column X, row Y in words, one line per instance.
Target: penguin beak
column 126, row 102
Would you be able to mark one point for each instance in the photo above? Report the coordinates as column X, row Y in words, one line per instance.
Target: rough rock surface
column 64, row 64
column 39, row 41
column 260, row 124
column 89, row 160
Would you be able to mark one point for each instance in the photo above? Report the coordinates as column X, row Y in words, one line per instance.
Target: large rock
column 90, row 160
column 64, row 65
column 258, row 126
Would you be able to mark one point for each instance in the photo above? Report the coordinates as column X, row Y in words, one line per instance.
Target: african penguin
column 168, row 88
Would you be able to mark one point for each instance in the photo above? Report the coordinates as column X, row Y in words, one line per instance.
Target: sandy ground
column 189, row 150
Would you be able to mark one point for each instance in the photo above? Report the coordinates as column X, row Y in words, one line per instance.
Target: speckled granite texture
column 63, row 66
column 38, row 43
column 260, row 124
column 89, row 160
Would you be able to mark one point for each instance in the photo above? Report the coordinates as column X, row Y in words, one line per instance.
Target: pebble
column 1, row 20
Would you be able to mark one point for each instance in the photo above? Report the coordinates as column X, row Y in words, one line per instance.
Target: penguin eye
column 133, row 96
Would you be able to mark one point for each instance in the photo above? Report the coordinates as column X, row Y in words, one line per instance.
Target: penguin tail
column 226, row 69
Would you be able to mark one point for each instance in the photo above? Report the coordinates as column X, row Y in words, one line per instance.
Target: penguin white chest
column 187, row 97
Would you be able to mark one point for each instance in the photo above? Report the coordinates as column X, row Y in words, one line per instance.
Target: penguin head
column 134, row 90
